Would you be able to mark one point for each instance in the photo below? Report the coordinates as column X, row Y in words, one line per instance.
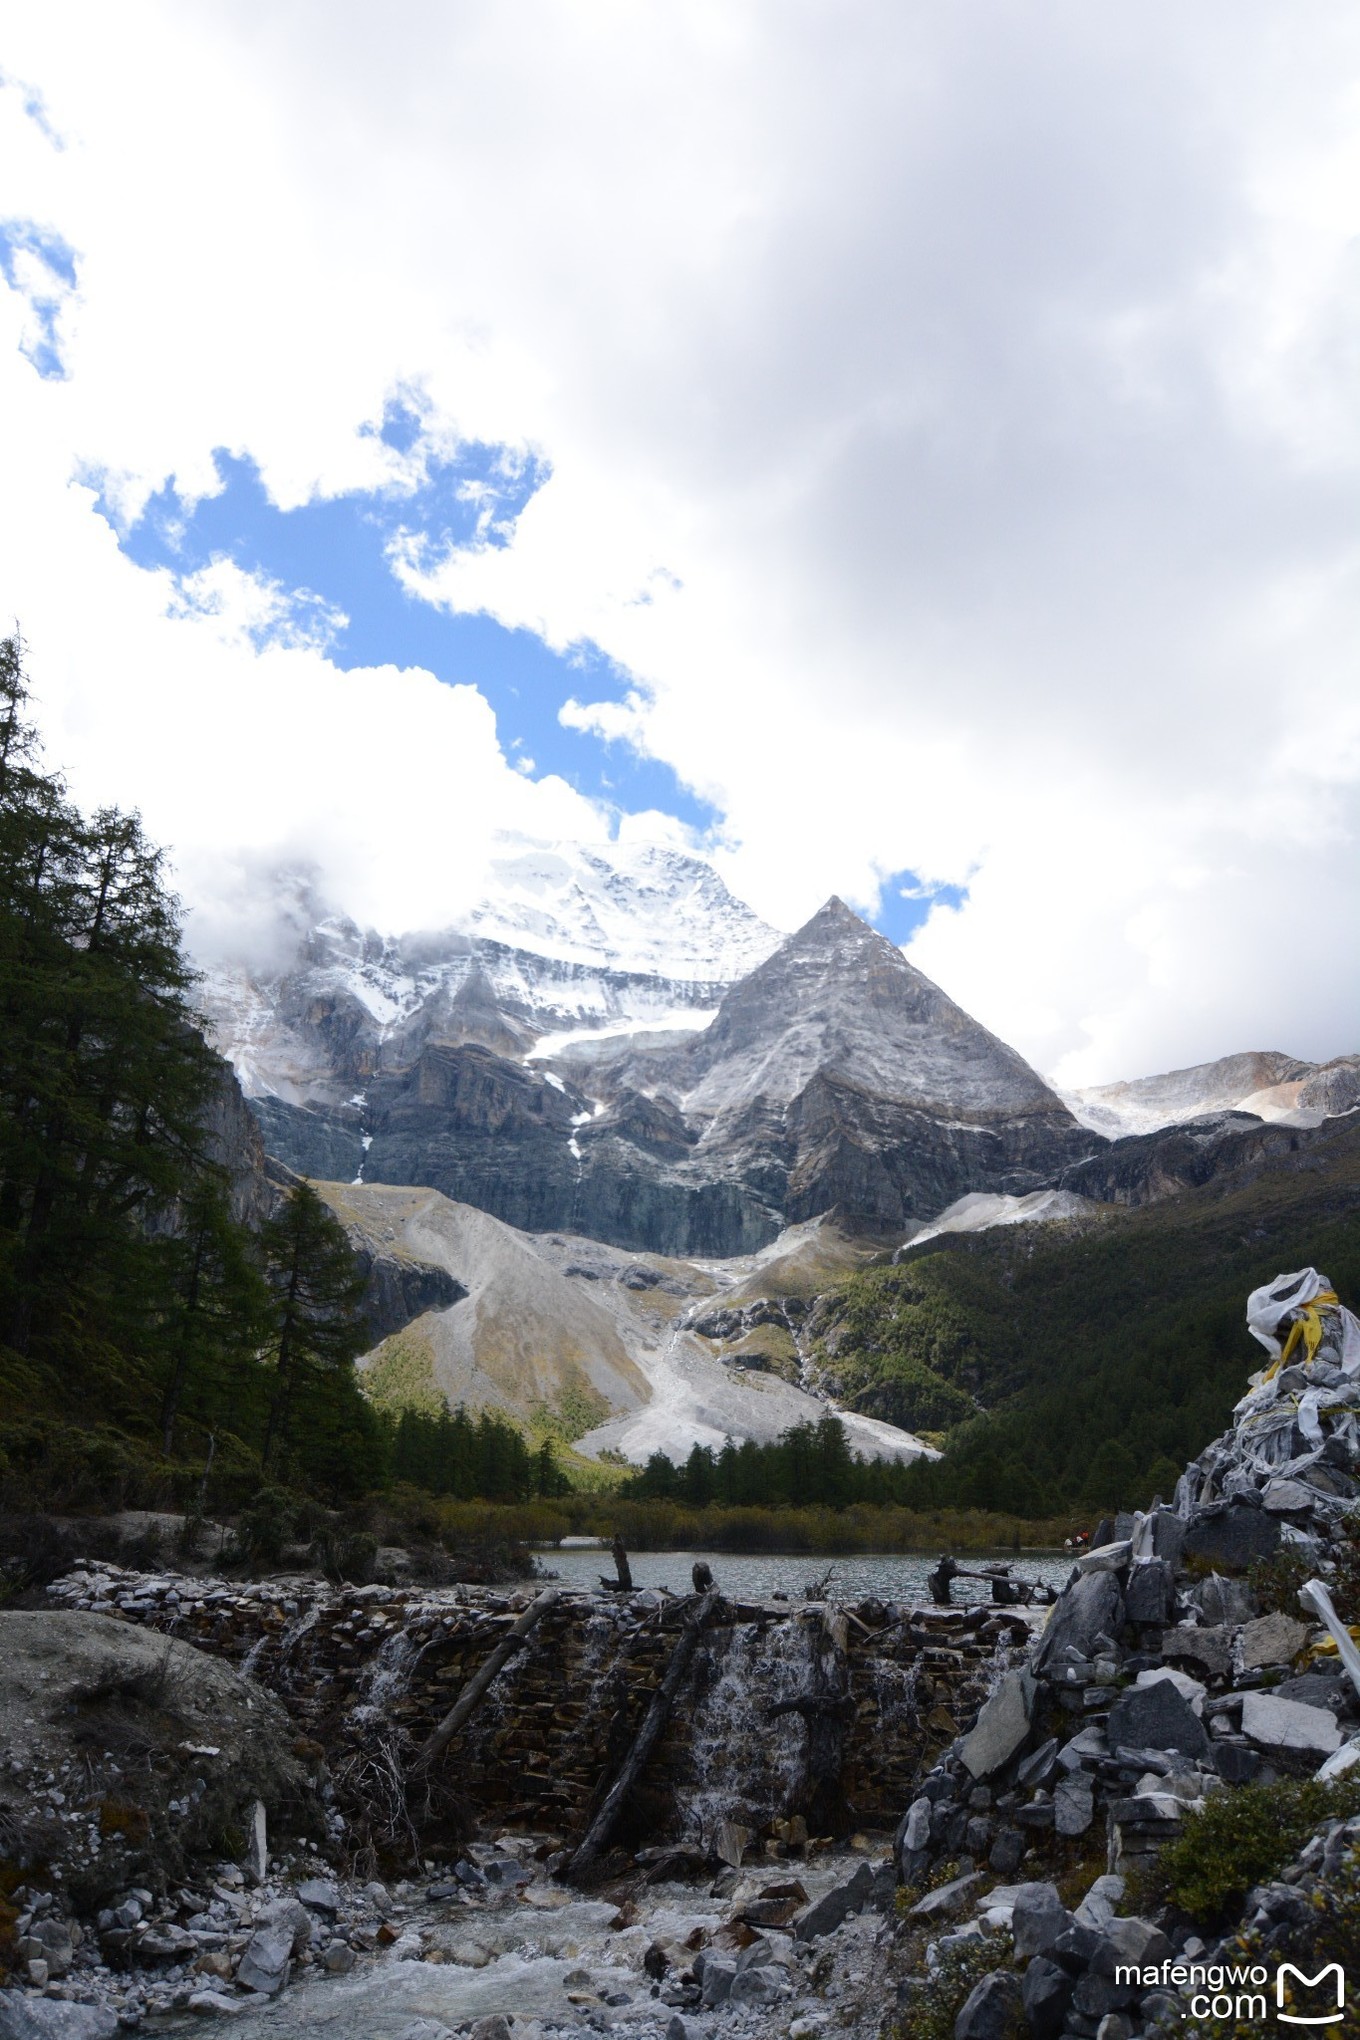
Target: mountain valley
column 604, row 1147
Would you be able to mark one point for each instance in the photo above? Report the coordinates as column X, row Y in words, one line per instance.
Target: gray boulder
column 1234, row 1536
column 1318, row 1689
column 1038, row 1918
column 1168, row 1535
column 1220, row 1600
column 1130, row 1944
column 1272, row 1640
column 759, row 1985
column 1156, row 1717
column 1039, row 1766
column 1092, row 1606
column 994, row 2010
column 914, row 1833
column 24, row 2018
column 719, row 1977
column 947, row 1899
column 1046, row 1994
column 1208, row 1649
column 1002, row 1726
column 826, row 1914
column 1287, row 1725
column 320, row 1895
column 1074, row 1804
column 1150, row 1594
column 266, row 1959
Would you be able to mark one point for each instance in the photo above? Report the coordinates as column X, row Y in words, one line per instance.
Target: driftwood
column 623, row 1584
column 476, row 1686
column 644, row 1742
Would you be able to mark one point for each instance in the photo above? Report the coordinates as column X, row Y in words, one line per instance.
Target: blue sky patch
column 330, row 562
column 332, row 557
column 904, row 904
column 42, row 269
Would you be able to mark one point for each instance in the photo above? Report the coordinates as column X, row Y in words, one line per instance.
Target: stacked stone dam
column 354, row 1663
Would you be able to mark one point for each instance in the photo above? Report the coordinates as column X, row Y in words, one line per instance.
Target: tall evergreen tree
column 216, row 1314
column 103, row 1076
column 316, row 1332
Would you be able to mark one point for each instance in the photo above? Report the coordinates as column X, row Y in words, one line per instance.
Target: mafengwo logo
column 1299, row 1999
column 1242, row 1991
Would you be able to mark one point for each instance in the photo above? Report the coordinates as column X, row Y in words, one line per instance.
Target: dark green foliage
column 315, row 1333
column 138, row 1320
column 811, row 1466
column 1276, row 1580
column 1243, row 1838
column 216, row 1316
column 935, row 2000
column 129, row 1299
column 103, row 1078
column 900, row 1344
column 469, row 1458
column 1106, row 1358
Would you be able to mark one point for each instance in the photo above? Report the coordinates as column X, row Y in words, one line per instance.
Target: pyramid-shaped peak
column 839, row 999
column 835, row 923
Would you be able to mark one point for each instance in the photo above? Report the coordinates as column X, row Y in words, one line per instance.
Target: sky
column 896, row 450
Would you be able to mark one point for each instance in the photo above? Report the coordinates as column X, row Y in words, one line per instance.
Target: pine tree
column 215, row 1317
column 316, row 1333
column 103, row 1076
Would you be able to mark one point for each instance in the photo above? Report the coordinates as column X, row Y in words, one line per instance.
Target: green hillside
column 1104, row 1356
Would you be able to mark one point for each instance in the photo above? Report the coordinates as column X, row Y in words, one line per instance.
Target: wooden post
column 653, row 1722
column 476, row 1686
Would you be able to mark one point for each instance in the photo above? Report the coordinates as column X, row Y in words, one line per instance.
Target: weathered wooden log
column 476, row 1686
column 623, row 1584
column 663, row 1699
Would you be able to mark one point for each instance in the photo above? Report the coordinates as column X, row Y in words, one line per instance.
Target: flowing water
column 744, row 1766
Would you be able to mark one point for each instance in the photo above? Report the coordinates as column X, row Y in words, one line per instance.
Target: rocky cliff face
column 1262, row 1082
column 837, row 1076
column 568, row 941
column 833, row 1076
column 1222, row 1148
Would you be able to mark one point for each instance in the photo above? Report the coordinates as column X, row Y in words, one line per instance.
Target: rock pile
column 1162, row 1677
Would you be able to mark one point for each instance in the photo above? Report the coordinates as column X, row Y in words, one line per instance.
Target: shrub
column 1275, row 1581
column 937, row 2000
column 1243, row 1838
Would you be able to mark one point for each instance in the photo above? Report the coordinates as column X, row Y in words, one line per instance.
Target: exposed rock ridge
column 834, row 1077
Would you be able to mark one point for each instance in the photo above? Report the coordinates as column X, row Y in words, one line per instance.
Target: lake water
column 756, row 1575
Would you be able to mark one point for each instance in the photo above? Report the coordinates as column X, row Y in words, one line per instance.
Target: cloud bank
column 949, row 431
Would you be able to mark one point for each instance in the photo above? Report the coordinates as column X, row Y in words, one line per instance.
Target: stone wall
column 356, row 1665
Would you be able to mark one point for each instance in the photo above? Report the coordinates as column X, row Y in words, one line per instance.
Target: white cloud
column 952, row 424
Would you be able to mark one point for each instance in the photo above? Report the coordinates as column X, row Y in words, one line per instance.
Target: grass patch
column 399, row 1374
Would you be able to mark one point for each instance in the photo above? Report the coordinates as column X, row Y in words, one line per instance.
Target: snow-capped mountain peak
column 645, row 907
column 567, row 939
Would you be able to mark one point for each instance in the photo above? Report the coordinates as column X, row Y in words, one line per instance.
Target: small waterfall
column 602, row 1657
column 495, row 1716
column 387, row 1680
column 893, row 1689
column 282, row 1645
column 743, row 1765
